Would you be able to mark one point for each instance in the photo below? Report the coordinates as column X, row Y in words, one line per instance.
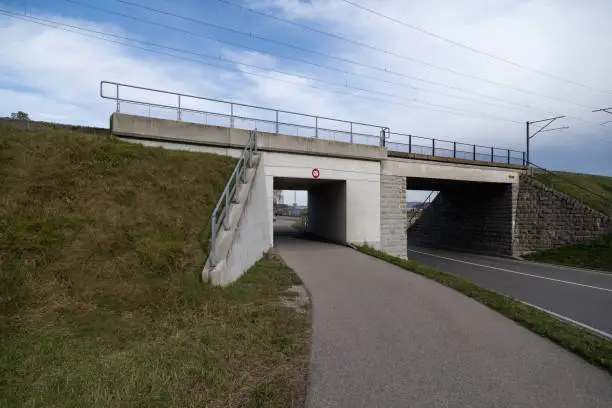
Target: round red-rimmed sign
column 315, row 173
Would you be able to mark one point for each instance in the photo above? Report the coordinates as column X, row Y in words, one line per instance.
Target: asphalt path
column 583, row 296
column 385, row 337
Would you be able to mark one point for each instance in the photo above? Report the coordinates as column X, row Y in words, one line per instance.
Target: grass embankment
column 101, row 247
column 592, row 348
column 596, row 254
column 595, row 192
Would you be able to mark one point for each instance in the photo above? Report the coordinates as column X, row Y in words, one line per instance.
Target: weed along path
column 385, row 337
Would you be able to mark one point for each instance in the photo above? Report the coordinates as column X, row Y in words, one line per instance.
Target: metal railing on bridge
column 197, row 109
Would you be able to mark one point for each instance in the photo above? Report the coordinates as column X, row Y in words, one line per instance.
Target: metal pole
column 277, row 122
column 227, row 201
column 409, row 143
column 491, row 155
column 474, row 152
column 433, row 147
column 508, row 156
column 454, row 150
column 178, row 115
column 118, row 98
column 524, row 159
column 544, row 128
column 351, row 123
column 527, row 133
column 316, row 127
column 213, row 241
column 231, row 115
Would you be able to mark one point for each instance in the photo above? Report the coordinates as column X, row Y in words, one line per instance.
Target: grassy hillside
column 596, row 191
column 101, row 247
column 596, row 254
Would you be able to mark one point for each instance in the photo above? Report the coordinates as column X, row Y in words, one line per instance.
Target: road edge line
column 593, row 348
column 495, row 268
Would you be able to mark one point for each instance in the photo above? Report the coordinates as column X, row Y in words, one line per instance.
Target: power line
column 337, row 84
column 342, row 59
column 509, row 104
column 475, row 50
column 585, row 135
column 61, row 26
column 385, row 51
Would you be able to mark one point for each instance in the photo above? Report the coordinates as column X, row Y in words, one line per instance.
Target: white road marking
column 515, row 272
column 574, row 268
column 569, row 320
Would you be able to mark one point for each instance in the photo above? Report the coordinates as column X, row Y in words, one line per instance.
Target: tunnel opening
column 417, row 202
column 318, row 205
column 466, row 216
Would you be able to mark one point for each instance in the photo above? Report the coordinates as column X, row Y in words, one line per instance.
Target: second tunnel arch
column 465, row 215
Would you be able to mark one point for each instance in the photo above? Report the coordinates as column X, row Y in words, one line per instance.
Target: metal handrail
column 414, row 216
column 507, row 156
column 383, row 134
column 220, row 214
column 180, row 108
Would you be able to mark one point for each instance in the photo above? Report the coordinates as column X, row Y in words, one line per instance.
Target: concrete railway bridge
column 357, row 185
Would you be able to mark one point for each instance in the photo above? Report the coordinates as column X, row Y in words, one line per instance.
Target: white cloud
column 54, row 74
column 561, row 37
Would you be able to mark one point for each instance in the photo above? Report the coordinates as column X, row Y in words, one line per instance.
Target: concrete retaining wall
column 546, row 218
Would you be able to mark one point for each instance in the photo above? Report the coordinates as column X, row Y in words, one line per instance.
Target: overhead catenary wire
column 322, row 54
column 507, row 104
column 56, row 25
column 71, row 28
column 472, row 49
column 378, row 49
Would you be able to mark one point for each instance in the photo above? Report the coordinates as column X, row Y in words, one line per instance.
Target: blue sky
column 54, row 75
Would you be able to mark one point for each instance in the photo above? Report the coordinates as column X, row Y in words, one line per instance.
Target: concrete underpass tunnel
column 326, row 206
column 467, row 216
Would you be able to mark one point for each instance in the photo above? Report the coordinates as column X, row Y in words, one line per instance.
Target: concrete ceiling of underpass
column 290, row 183
column 430, row 184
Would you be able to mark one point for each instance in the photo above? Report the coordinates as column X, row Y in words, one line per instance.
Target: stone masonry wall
column 393, row 215
column 546, row 218
column 475, row 218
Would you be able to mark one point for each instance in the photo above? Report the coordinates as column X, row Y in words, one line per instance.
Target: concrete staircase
column 240, row 223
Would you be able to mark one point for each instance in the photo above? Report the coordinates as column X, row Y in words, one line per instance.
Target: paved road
column 384, row 337
column 582, row 295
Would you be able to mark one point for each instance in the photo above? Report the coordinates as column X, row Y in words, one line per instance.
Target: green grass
column 101, row 247
column 596, row 254
column 592, row 348
column 595, row 191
